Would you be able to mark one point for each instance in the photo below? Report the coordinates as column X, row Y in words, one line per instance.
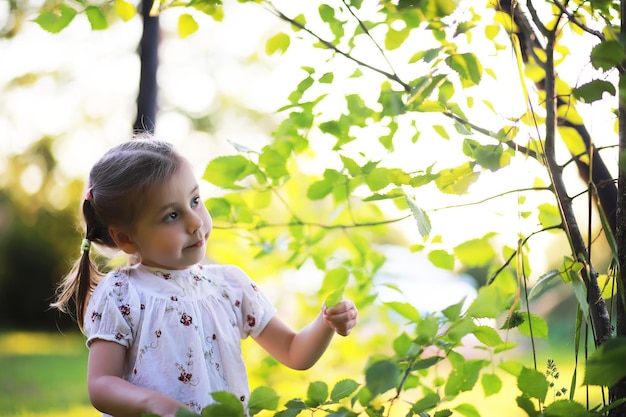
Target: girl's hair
column 118, row 185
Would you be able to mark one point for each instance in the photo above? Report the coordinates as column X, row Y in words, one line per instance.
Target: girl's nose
column 194, row 224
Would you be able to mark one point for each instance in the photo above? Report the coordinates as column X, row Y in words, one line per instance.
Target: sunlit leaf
column 381, row 376
column 491, row 383
column 187, row 25
column 395, row 38
column 456, row 180
column 406, row 310
column 442, row 259
column 549, row 215
column 534, row 323
column 262, row 398
column 225, row 171
column 125, row 10
column 57, row 19
column 426, row 403
column 467, row 66
column 468, row 410
column 343, row 389
column 317, row 393
column 96, row 18
column 490, row 301
column 420, row 216
column 487, row 335
column 545, row 281
column 565, row 408
column 475, row 252
column 334, row 283
column 277, row 43
column 532, row 383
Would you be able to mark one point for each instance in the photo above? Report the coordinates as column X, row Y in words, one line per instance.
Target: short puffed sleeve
column 113, row 311
column 255, row 309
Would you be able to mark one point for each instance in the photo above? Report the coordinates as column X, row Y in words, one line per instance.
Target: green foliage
column 333, row 216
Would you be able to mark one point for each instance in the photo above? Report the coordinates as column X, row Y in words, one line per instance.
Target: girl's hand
column 341, row 317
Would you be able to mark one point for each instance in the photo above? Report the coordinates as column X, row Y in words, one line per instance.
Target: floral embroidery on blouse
column 182, row 328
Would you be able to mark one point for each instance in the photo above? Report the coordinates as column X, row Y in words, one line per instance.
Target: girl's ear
column 122, row 239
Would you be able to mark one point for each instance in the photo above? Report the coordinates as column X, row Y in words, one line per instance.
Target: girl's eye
column 195, row 201
column 171, row 217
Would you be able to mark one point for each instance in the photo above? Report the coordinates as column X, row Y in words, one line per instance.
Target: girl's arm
column 111, row 394
column 300, row 350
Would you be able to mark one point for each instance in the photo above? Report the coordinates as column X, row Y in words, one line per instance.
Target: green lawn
column 43, row 375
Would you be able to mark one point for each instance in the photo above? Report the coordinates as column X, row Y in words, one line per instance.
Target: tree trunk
column 148, row 55
column 618, row 391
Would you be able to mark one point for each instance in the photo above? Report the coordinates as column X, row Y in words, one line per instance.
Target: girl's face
column 174, row 226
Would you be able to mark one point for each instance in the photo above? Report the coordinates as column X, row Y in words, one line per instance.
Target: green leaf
column 420, row 216
column 607, row 54
column 225, row 171
column 441, row 259
column 182, row 412
column 490, row 302
column 491, row 157
column 487, row 335
column 377, row 179
column 277, row 43
column 395, row 38
column 607, row 365
column 320, row 189
column 274, row 162
column 262, row 398
column 527, row 405
column 467, row 410
column 475, row 252
column 538, row 325
column 593, row 90
column 334, row 284
column 463, row 377
column 406, row 310
column 549, row 215
column 427, row 363
column 187, row 25
column 454, row 311
column 427, row 329
column 317, row 394
column 491, row 383
column 456, row 180
column 430, row 401
column 124, row 10
column 96, row 18
column 226, row 405
column 543, row 283
column 532, row 383
column 57, row 19
column 381, row 376
column 467, row 66
column 343, row 389
column 566, row 408
column 460, row 328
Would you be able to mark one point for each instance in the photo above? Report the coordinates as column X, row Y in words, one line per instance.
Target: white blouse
column 182, row 328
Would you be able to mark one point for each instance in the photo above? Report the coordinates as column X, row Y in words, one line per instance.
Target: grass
column 43, row 375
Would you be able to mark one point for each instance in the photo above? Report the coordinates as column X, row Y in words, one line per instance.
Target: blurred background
column 68, row 97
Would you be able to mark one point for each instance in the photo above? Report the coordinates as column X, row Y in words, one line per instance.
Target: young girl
column 164, row 333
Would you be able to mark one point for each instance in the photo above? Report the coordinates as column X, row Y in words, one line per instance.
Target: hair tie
column 84, row 247
column 88, row 194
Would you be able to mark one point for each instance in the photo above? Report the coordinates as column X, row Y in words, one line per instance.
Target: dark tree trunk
column 148, row 54
column 618, row 391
